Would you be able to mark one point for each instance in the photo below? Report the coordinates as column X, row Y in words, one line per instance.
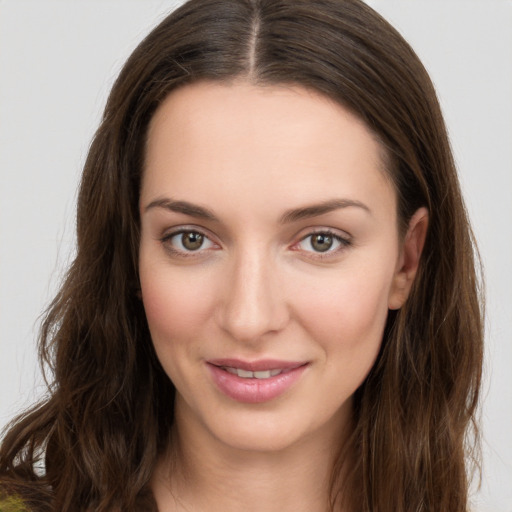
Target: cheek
column 347, row 312
column 177, row 306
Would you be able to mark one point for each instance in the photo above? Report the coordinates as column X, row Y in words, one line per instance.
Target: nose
column 253, row 305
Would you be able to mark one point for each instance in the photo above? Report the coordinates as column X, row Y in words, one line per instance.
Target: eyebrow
column 193, row 210
column 293, row 215
column 316, row 210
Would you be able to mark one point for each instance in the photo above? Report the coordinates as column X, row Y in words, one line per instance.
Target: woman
column 274, row 302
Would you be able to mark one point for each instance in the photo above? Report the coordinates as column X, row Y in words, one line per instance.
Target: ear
column 409, row 259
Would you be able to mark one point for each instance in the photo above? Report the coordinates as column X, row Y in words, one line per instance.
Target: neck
column 200, row 473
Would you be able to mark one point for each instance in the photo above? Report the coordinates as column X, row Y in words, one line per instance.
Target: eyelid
column 344, row 239
column 172, row 232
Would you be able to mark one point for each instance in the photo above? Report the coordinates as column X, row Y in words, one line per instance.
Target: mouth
column 261, row 369
column 255, row 382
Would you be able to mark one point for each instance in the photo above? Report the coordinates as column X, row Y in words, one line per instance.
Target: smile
column 255, row 382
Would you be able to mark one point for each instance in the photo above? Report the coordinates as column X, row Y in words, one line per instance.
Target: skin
column 259, row 289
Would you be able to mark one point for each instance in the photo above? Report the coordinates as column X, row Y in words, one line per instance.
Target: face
column 269, row 257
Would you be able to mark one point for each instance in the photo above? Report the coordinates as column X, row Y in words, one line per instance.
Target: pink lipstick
column 257, row 381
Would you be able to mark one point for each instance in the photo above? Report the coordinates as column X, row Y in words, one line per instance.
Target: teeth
column 262, row 375
column 247, row 374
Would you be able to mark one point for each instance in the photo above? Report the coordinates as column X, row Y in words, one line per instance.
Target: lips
column 254, row 382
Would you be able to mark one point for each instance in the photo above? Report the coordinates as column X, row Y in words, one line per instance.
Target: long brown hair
column 109, row 406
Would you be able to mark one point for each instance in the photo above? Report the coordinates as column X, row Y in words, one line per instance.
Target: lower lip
column 254, row 391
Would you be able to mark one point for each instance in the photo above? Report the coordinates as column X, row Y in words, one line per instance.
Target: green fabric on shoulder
column 12, row 504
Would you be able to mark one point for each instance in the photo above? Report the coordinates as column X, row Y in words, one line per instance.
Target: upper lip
column 257, row 366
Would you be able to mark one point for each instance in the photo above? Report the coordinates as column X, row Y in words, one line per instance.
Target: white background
column 58, row 60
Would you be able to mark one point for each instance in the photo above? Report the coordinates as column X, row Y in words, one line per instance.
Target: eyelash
column 342, row 241
column 166, row 241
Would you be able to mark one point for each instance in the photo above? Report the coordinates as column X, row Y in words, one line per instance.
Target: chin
column 269, row 429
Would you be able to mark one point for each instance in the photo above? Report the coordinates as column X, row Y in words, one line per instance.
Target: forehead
column 210, row 105
column 261, row 140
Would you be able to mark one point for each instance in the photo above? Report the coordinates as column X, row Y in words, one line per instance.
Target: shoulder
column 12, row 504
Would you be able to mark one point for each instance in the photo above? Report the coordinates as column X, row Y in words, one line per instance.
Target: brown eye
column 192, row 241
column 321, row 242
column 187, row 242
